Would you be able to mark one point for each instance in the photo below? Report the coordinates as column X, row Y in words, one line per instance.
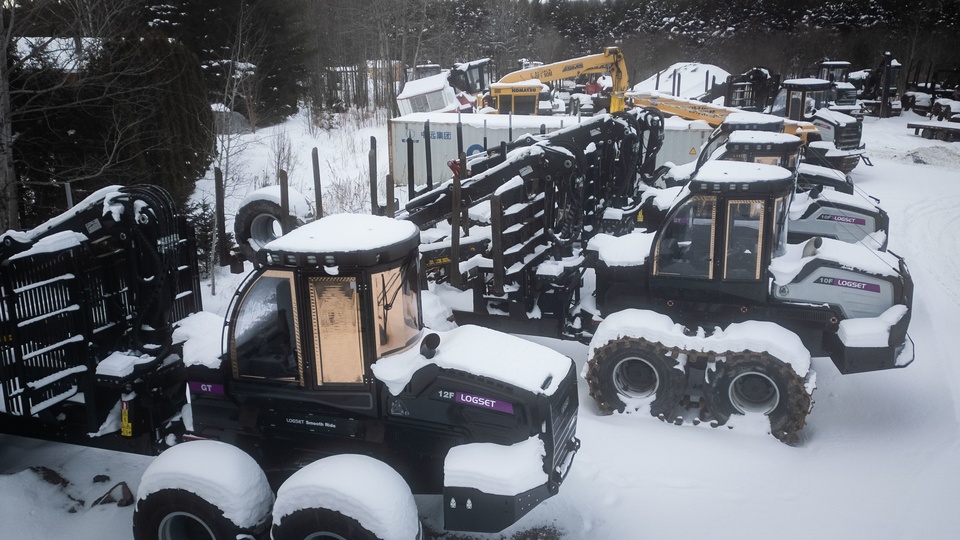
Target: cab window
column 686, row 246
column 743, row 240
column 265, row 335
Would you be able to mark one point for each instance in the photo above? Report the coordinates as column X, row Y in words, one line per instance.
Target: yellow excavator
column 519, row 92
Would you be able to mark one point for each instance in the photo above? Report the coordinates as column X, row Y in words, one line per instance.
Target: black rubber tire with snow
column 319, row 523
column 787, row 410
column 635, row 366
column 257, row 223
column 176, row 514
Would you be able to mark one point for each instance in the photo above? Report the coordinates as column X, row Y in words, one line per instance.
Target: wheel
column 176, row 514
column 319, row 524
column 758, row 383
column 942, row 136
column 258, row 223
column 630, row 374
column 927, row 133
column 345, row 497
column 182, row 496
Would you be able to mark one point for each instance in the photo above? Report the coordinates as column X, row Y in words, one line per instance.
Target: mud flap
column 469, row 509
column 866, row 160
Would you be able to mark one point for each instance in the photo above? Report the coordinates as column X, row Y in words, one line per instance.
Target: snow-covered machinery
column 323, row 353
column 826, row 204
column 712, row 312
column 832, row 139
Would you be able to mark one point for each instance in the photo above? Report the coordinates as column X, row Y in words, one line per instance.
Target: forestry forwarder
column 713, row 309
column 325, row 354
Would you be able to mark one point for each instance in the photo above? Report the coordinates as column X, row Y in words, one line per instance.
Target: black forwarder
column 715, row 257
column 117, row 272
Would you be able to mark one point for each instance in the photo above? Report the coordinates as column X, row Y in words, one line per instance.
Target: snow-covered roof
column 720, row 172
column 426, row 85
column 808, row 81
column 692, row 75
column 752, row 118
column 345, row 233
column 743, row 136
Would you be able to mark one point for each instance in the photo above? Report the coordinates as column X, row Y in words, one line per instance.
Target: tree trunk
column 9, row 208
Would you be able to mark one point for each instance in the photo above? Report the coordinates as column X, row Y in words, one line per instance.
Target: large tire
column 628, row 374
column 319, row 524
column 907, row 102
column 758, row 383
column 176, row 514
column 258, row 223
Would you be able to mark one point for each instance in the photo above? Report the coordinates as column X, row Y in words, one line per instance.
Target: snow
column 483, row 352
column 695, row 79
column 496, row 469
column 871, row 331
column 762, row 137
column 120, row 364
column 297, row 203
column 877, row 459
column 357, row 486
column 201, row 334
column 425, row 85
column 738, row 171
column 627, row 250
column 218, row 473
column 344, row 233
column 787, row 266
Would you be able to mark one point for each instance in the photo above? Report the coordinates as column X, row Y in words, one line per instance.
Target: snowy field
column 879, row 458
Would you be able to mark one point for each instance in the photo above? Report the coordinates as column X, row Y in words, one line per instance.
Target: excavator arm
column 610, row 60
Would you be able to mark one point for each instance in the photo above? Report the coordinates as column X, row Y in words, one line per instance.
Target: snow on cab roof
column 345, row 233
column 743, row 136
column 809, row 81
column 720, row 172
column 746, row 117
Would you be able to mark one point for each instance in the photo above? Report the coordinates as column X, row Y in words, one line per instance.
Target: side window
column 335, row 313
column 264, row 340
column 743, row 239
column 396, row 310
column 686, row 245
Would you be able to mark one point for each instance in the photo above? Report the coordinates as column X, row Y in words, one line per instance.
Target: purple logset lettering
column 484, row 402
column 843, row 219
column 849, row 284
column 206, row 388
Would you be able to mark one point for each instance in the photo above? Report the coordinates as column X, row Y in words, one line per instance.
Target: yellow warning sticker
column 693, row 151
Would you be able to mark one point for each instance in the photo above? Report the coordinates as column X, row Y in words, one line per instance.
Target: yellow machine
column 690, row 109
column 519, row 92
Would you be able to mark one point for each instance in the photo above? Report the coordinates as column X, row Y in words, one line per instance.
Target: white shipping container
column 682, row 139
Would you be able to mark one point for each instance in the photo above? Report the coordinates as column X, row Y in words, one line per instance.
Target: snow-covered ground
column 879, row 458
